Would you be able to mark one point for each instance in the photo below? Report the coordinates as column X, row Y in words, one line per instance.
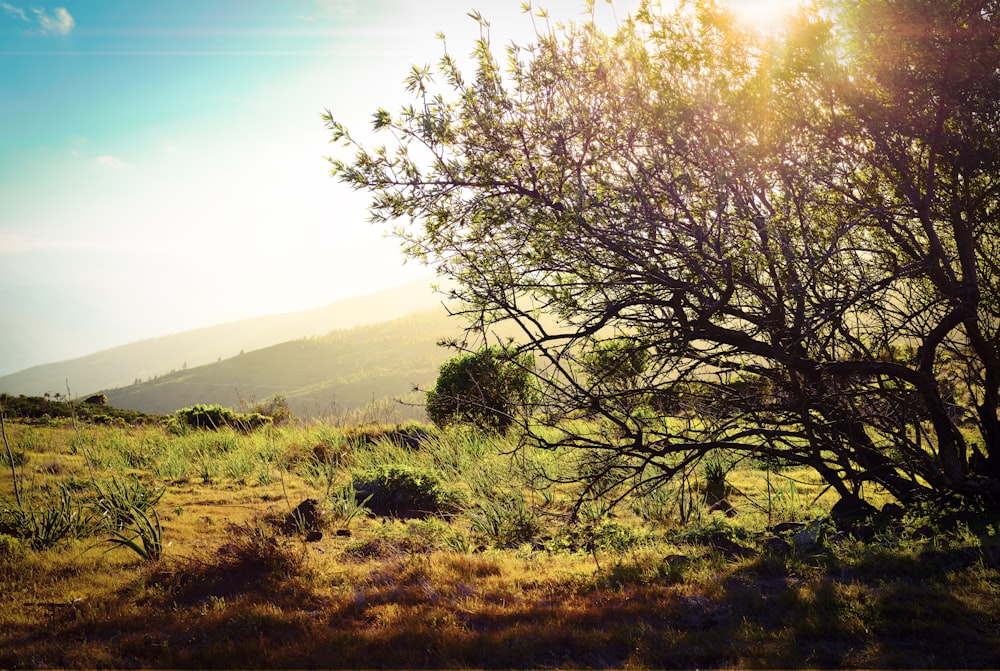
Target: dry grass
column 231, row 590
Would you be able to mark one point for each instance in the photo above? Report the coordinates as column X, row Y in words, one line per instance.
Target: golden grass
column 230, row 591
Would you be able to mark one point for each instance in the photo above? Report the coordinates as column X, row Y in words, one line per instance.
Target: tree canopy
column 796, row 234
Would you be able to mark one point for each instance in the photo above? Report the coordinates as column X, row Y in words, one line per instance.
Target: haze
column 162, row 163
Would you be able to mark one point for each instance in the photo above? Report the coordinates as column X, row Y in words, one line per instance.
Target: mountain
column 143, row 360
column 339, row 372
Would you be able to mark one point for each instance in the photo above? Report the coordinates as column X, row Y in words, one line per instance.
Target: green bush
column 397, row 490
column 215, row 417
column 485, row 388
column 94, row 409
column 277, row 409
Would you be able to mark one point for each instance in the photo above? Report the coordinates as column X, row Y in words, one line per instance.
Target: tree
column 485, row 388
column 802, row 226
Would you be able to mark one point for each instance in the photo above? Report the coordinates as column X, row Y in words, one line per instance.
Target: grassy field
column 145, row 547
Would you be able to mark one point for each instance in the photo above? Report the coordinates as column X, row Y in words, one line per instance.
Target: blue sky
column 161, row 161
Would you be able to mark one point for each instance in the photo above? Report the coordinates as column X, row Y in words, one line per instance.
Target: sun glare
column 763, row 16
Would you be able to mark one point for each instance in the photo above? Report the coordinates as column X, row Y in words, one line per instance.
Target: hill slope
column 338, row 372
column 123, row 365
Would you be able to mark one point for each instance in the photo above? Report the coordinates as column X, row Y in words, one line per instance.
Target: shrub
column 277, row 409
column 252, row 559
column 484, row 388
column 415, row 537
column 397, row 490
column 215, row 417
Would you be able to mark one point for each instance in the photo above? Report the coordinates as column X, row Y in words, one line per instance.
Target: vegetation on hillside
column 154, row 357
column 752, row 282
column 94, row 409
column 325, row 375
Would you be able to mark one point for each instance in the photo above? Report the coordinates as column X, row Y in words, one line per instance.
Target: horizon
column 168, row 171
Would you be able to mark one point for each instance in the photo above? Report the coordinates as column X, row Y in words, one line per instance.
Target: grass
column 500, row 581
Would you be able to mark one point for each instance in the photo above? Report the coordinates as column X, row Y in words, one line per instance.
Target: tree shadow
column 936, row 609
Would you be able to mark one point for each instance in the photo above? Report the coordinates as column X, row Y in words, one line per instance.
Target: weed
column 13, row 551
column 254, row 558
column 143, row 535
column 172, row 464
column 120, row 500
column 13, row 458
column 255, row 552
column 414, row 537
column 45, row 524
column 507, row 521
column 238, row 466
column 321, row 473
column 344, row 506
column 207, row 467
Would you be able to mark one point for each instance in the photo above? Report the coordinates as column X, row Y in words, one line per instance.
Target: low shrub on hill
column 398, row 490
column 215, row 417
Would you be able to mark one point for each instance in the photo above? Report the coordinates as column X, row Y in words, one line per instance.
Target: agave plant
column 144, row 535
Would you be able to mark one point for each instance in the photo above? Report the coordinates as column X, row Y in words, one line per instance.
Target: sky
column 162, row 161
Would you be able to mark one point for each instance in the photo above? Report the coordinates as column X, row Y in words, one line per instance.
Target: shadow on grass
column 925, row 610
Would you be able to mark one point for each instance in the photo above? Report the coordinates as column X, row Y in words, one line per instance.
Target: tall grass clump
column 45, row 521
column 506, row 521
column 121, row 501
column 345, row 505
column 143, row 535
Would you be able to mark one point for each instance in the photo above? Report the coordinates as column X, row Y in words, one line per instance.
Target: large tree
column 795, row 234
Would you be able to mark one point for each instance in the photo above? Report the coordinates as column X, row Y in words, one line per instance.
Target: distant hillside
column 338, row 372
column 146, row 359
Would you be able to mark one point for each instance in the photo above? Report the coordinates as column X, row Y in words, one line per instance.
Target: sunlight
column 763, row 16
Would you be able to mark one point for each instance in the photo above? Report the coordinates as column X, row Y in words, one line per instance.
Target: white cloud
column 60, row 22
column 114, row 162
column 16, row 11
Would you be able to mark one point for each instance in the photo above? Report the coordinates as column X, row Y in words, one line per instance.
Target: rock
column 808, row 537
column 724, row 506
column 307, row 516
column 776, row 547
column 849, row 512
column 788, row 527
column 728, row 547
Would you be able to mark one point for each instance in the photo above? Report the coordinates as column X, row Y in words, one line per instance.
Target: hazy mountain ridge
column 125, row 364
column 339, row 371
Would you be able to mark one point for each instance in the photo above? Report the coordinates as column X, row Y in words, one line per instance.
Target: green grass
column 212, row 574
